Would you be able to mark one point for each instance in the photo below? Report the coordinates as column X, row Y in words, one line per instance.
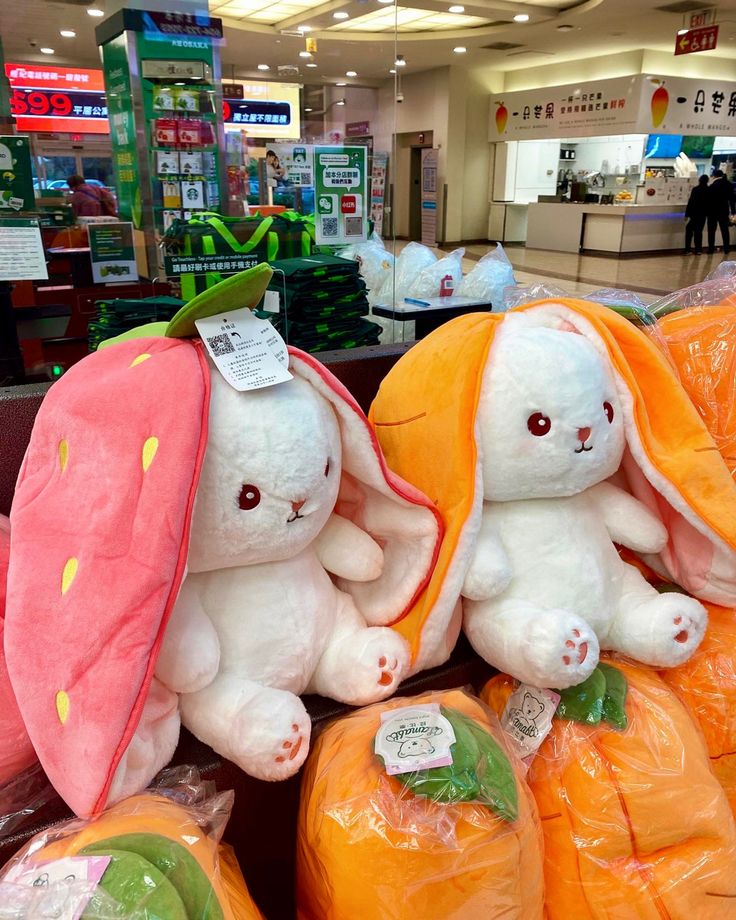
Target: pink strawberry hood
column 100, row 534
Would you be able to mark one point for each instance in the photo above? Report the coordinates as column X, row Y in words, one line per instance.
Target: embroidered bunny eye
column 538, row 424
column 327, row 469
column 608, row 409
column 249, row 498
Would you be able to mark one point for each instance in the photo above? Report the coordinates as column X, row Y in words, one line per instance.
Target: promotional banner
column 16, row 174
column 341, row 191
column 57, row 99
column 268, row 110
column 642, row 104
column 430, row 161
column 296, row 163
column 112, row 252
column 122, row 130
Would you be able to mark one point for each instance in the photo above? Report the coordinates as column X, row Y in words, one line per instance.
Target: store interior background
column 439, row 97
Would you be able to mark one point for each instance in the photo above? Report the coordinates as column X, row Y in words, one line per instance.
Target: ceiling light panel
column 408, row 20
column 259, row 10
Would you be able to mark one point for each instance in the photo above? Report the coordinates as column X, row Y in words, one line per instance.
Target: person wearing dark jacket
column 721, row 204
column 696, row 213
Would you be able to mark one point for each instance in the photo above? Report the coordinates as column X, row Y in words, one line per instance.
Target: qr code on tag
column 329, row 226
column 221, row 345
column 353, row 226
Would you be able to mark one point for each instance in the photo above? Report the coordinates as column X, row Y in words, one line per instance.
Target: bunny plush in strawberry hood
column 186, row 553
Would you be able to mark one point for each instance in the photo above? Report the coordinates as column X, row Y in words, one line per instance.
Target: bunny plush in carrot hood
column 171, row 544
column 546, row 435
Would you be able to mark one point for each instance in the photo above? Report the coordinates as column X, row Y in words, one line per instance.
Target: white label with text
column 414, row 738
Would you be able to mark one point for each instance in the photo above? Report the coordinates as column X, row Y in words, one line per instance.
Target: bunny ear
column 116, row 450
column 397, row 515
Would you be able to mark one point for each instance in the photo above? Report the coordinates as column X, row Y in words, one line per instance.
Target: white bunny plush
column 258, row 604
column 546, row 587
column 202, row 557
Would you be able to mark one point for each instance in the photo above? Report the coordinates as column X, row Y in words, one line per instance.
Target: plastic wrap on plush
column 635, row 824
column 718, row 288
column 374, row 846
column 155, row 855
column 521, row 294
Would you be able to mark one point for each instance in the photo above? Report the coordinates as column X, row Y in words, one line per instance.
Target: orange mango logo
column 660, row 102
column 502, row 116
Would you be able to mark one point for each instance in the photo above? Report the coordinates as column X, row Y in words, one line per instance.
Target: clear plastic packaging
column 528, row 293
column 153, row 856
column 412, row 261
column 443, row 275
column 718, row 288
column 627, row 303
column 16, row 750
column 701, row 343
column 444, row 843
column 375, row 261
column 489, row 279
column 635, row 823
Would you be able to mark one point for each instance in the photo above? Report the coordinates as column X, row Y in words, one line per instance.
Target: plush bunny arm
column 627, row 520
column 347, row 551
column 190, row 653
column 490, row 572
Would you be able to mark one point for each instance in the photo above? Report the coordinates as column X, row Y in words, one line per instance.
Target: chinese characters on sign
column 62, row 99
column 259, row 112
column 695, row 40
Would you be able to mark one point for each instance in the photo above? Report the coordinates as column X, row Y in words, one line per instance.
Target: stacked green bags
column 114, row 317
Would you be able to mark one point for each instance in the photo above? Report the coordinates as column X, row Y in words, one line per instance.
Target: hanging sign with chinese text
column 695, row 40
column 57, row 99
column 640, row 104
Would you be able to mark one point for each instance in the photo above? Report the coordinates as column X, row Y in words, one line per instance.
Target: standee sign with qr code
column 341, row 190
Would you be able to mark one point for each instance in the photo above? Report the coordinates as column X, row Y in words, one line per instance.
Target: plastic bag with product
column 717, row 289
column 411, row 262
column 441, row 278
column 374, row 260
column 635, row 823
column 451, row 837
column 489, row 279
column 626, row 303
column 528, row 293
column 153, row 856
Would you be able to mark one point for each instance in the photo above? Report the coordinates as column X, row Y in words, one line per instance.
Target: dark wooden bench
column 262, row 828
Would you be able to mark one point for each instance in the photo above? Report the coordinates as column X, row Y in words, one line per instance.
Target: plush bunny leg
column 362, row 663
column 544, row 648
column 152, row 746
column 190, row 653
column 265, row 731
column 658, row 629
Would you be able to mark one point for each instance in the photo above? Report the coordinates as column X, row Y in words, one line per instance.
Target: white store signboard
column 641, row 104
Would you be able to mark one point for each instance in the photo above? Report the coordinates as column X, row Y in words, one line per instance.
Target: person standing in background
column 89, row 200
column 696, row 213
column 721, row 205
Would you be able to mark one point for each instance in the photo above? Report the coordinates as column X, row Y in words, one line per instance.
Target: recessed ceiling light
column 308, row 109
column 180, row 83
column 263, row 67
column 341, row 14
column 93, row 11
column 46, row 50
column 386, row 1
column 351, row 73
column 521, row 17
column 461, row 49
column 340, row 102
column 400, row 61
column 67, row 33
column 305, row 54
column 311, row 65
column 565, row 27
column 304, row 28
column 682, row 31
column 340, row 84
column 456, row 9
column 392, row 71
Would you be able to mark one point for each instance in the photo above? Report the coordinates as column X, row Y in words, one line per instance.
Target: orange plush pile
column 635, row 824
column 369, row 849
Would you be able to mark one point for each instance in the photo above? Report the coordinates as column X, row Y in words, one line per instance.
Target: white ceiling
column 266, row 32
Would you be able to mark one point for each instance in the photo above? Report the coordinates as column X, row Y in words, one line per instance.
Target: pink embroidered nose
column 297, row 506
column 583, row 434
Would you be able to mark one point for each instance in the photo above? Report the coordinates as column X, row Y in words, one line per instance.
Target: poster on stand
column 16, row 175
column 341, row 192
column 379, row 173
column 296, row 162
column 21, row 250
column 430, row 160
column 112, row 251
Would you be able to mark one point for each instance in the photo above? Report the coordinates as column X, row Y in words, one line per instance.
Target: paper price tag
column 414, row 738
column 527, row 719
column 248, row 352
column 61, row 889
column 272, row 302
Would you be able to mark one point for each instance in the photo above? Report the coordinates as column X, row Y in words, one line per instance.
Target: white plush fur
column 545, row 588
column 259, row 620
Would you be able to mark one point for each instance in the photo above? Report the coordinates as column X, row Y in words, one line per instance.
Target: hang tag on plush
column 248, row 352
column 527, row 719
column 414, row 738
column 61, row 889
column 272, row 302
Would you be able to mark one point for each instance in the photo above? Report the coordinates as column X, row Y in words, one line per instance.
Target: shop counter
column 614, row 228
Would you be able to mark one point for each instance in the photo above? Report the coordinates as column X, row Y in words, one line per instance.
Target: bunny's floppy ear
column 99, row 541
column 425, row 417
column 397, row 515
